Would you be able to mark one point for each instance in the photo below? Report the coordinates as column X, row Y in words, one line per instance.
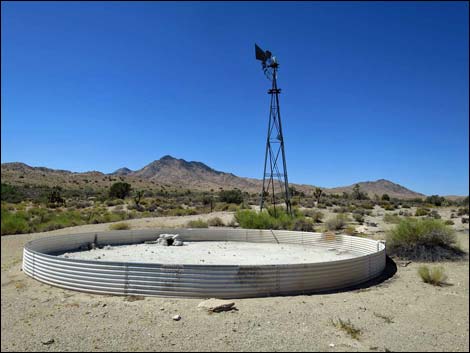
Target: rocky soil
column 399, row 314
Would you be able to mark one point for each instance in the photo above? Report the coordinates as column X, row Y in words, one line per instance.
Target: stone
column 217, row 305
column 107, row 247
column 331, row 345
column 48, row 342
column 177, row 243
column 176, row 318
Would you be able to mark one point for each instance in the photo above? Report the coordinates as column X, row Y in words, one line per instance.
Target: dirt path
column 402, row 313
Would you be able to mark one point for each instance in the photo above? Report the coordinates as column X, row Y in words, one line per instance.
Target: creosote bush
column 423, row 239
column 435, row 276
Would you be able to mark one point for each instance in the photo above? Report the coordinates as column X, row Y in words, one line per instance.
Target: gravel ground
column 399, row 314
column 214, row 253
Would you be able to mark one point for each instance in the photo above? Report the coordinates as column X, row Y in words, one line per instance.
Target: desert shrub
column 423, row 239
column 435, row 276
column 198, row 223
column 464, row 220
column 119, row 190
column 391, row 218
column 341, row 209
column 338, row 222
column 267, row 219
column 216, row 222
column 385, row 197
column 120, row 226
column 435, row 200
column 359, row 218
column 315, row 215
column 462, row 211
column 303, row 225
column 389, row 207
column 449, row 222
column 231, row 196
column 350, row 230
column 14, row 223
column 434, row 214
column 10, row 193
column 114, row 202
column 404, row 213
column 421, row 211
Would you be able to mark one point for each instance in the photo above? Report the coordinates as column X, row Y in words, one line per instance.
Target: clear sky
column 369, row 90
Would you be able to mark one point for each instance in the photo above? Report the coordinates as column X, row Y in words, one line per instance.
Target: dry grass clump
column 120, row 226
column 198, row 223
column 435, row 276
column 338, row 222
column 216, row 222
column 347, row 327
column 423, row 239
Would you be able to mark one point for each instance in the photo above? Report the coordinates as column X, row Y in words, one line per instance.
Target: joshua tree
column 317, row 194
column 138, row 197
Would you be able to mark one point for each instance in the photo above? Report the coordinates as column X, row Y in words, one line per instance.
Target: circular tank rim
column 201, row 280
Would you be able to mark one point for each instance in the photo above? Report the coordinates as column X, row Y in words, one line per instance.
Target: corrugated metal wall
column 202, row 281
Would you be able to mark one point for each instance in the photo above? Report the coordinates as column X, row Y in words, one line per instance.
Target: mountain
column 192, row 175
column 379, row 187
column 179, row 173
column 122, row 171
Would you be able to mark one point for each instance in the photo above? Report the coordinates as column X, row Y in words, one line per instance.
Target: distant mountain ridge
column 170, row 171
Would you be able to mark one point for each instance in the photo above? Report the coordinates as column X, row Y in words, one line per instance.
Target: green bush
column 423, row 239
column 449, row 222
column 435, row 276
column 11, row 193
column 199, row 223
column 421, row 211
column 231, row 196
column 270, row 219
column 14, row 223
column 119, row 190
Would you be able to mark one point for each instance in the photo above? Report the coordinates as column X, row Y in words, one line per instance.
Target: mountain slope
column 380, row 187
column 178, row 173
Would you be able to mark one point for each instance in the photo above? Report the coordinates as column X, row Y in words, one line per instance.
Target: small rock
column 107, row 247
column 48, row 342
column 176, row 318
column 217, row 305
column 177, row 243
column 331, row 345
column 162, row 308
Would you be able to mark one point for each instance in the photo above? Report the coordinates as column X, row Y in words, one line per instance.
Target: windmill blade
column 259, row 53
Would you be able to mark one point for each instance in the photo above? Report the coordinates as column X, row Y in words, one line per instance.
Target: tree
column 317, row 194
column 137, row 197
column 357, row 194
column 119, row 190
column 436, row 200
column 385, row 197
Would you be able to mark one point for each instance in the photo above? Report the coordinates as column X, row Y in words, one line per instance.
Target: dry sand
column 214, row 253
column 400, row 314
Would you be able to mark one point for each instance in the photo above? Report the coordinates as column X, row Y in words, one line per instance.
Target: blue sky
column 369, row 90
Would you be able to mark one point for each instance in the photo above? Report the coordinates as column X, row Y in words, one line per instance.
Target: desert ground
column 399, row 314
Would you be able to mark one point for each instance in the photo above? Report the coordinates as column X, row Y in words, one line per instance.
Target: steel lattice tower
column 275, row 167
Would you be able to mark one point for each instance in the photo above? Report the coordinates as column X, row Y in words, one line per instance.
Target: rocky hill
column 172, row 172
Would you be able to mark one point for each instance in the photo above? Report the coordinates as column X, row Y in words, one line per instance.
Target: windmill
column 275, row 167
